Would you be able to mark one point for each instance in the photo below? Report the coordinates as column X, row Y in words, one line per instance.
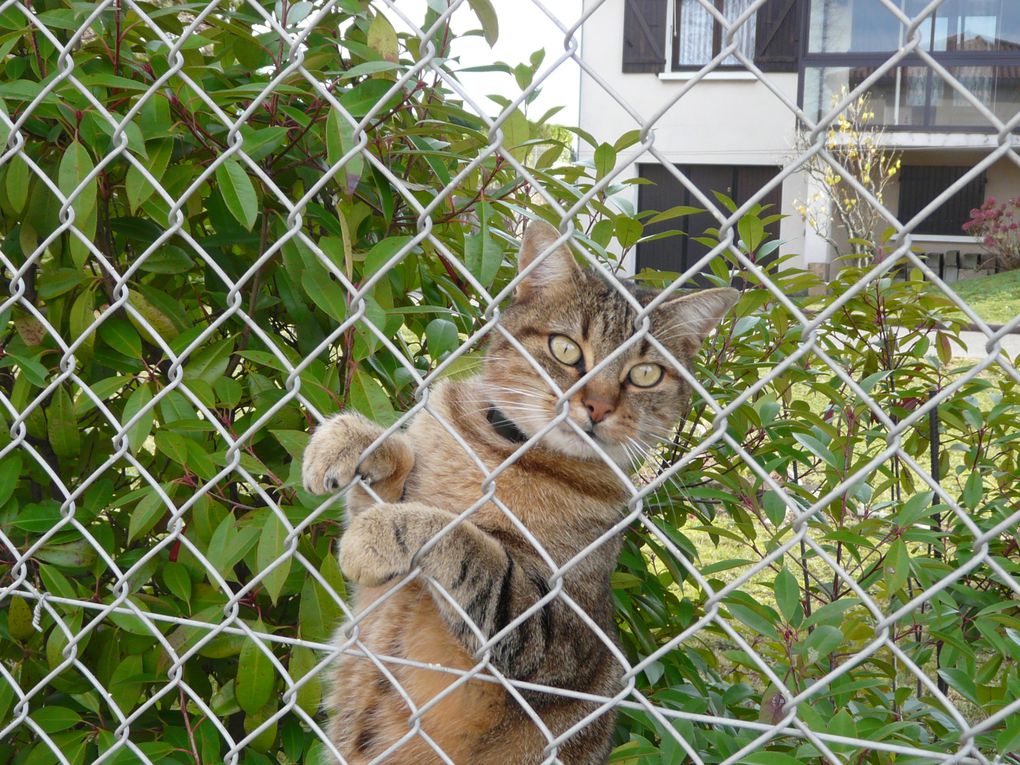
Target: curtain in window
column 696, row 28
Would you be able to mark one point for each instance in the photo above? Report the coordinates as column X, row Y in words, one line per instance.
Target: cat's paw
column 374, row 548
column 336, row 454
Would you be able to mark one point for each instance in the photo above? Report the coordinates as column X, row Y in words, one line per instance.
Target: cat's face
column 569, row 320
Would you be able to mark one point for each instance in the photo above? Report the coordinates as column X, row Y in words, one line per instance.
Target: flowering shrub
column 997, row 226
column 837, row 208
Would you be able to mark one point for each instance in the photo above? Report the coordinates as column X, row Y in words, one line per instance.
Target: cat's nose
column 598, row 408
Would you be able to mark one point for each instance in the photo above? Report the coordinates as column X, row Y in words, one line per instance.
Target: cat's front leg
column 381, row 543
column 336, row 454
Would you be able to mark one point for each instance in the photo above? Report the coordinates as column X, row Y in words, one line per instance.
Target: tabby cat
column 561, row 490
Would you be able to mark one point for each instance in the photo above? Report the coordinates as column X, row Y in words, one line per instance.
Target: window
column 920, row 185
column 659, row 35
column 698, row 37
column 977, row 41
column 677, row 253
column 845, row 26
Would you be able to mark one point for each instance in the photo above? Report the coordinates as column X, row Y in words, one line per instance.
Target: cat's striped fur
column 561, row 491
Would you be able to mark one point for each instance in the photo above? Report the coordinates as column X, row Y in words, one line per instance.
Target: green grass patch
column 995, row 298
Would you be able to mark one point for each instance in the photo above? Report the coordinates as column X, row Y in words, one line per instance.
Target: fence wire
column 131, row 616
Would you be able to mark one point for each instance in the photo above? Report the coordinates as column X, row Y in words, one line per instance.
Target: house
column 732, row 132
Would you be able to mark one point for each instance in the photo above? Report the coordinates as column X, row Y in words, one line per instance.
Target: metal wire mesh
column 119, row 606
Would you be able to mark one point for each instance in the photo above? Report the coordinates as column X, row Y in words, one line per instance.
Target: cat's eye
column 645, row 375
column 564, row 349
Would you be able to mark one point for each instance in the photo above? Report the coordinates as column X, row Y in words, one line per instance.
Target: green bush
column 200, row 346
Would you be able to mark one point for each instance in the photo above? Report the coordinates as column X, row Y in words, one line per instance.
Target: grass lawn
column 995, row 298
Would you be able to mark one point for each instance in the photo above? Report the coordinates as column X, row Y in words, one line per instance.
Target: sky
column 523, row 29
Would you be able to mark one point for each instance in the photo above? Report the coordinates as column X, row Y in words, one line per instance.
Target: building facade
column 731, row 132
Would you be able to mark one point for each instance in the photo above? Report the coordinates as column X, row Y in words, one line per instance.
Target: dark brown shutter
column 777, row 37
column 920, row 185
column 644, row 35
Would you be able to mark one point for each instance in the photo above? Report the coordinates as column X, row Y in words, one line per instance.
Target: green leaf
column 137, row 401
column 62, row 425
column 483, row 254
column 627, row 230
column 126, row 683
column 339, row 141
column 516, row 132
column 820, row 643
column 136, row 186
column 208, row 364
column 19, row 176
column 228, row 545
column 146, row 515
column 1009, row 739
column 238, row 193
column 442, row 337
column 680, row 211
column 319, row 613
column 255, row 675
column 366, row 396
column 177, row 580
column 817, row 448
column 775, row 508
column 37, row 517
column 272, row 547
column 962, row 682
column 309, row 695
column 756, row 621
column 605, row 160
column 10, row 473
column 55, row 719
column 327, row 294
column 118, row 333
column 487, row 17
column 770, row 758
column 787, row 595
column 19, row 619
column 973, row 490
column 368, row 96
column 75, row 166
column 896, row 566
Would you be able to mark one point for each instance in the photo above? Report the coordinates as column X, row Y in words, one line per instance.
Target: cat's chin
column 564, row 440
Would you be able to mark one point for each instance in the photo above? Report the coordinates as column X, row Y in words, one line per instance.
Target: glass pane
column 843, row 26
column 996, row 87
column 695, row 31
column 899, row 98
column 744, row 36
column 1007, row 92
column 978, row 25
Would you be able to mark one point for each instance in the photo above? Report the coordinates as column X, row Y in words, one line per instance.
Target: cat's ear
column 684, row 322
column 555, row 268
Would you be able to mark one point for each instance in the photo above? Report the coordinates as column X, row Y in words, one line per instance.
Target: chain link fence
column 225, row 222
